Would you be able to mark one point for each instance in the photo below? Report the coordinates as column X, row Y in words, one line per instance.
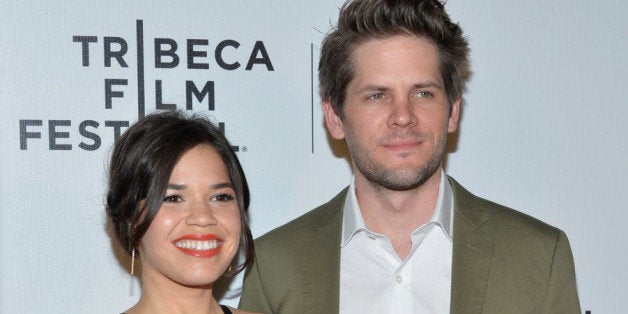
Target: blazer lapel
column 472, row 253
column 320, row 259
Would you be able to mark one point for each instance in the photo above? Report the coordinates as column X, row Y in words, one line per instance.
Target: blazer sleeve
column 253, row 297
column 562, row 292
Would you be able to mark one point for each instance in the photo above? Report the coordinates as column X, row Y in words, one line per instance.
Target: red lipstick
column 199, row 245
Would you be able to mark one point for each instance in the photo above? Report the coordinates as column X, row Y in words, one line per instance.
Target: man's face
column 396, row 115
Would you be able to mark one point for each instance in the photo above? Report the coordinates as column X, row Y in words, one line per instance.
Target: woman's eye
column 172, row 199
column 223, row 198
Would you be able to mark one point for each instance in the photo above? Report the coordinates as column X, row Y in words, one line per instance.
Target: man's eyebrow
column 428, row 84
column 373, row 88
column 380, row 88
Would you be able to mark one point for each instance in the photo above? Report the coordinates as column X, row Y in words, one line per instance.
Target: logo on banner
column 193, row 54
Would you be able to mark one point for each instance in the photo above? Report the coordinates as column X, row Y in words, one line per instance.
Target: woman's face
column 196, row 232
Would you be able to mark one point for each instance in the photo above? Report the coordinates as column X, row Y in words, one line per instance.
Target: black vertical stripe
column 141, row 110
column 312, row 93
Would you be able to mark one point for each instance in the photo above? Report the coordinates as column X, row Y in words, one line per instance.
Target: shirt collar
column 352, row 221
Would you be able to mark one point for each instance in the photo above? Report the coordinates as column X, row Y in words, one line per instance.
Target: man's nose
column 402, row 114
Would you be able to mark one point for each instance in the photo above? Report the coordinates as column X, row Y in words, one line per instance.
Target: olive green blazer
column 503, row 262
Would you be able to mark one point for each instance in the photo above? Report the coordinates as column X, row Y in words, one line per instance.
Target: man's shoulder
column 303, row 227
column 495, row 218
column 518, row 252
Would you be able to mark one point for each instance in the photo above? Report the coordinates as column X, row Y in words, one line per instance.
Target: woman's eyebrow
column 178, row 187
column 222, row 185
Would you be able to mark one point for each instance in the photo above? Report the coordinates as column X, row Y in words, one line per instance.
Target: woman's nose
column 201, row 214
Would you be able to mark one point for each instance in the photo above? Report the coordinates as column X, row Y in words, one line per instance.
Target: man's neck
column 396, row 214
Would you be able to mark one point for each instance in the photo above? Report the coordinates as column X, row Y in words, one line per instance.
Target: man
column 404, row 237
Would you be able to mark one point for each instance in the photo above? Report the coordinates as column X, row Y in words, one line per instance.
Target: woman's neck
column 175, row 298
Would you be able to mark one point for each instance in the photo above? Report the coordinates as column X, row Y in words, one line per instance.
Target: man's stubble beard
column 396, row 180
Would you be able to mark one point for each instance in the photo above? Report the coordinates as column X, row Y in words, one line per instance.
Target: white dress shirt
column 373, row 279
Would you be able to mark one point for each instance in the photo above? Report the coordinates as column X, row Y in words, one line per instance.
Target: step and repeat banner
column 543, row 126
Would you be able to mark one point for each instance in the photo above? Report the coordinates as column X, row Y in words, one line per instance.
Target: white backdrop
column 543, row 128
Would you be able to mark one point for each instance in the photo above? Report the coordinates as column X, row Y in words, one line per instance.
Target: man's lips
column 402, row 145
column 199, row 245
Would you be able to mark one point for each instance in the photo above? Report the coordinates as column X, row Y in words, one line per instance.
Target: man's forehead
column 393, row 57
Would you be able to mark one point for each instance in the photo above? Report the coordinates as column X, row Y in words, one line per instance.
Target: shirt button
column 372, row 236
column 398, row 278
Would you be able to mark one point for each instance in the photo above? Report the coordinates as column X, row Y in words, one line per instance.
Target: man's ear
column 454, row 116
column 333, row 122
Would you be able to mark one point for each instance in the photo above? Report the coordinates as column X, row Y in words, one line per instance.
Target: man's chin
column 404, row 180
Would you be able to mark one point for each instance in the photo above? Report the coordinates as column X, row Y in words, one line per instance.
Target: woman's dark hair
column 363, row 20
column 141, row 163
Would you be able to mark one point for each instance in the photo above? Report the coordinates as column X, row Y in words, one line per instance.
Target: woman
column 178, row 199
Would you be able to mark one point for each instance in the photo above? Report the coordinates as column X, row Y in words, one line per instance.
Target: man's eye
column 423, row 94
column 172, row 199
column 377, row 96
